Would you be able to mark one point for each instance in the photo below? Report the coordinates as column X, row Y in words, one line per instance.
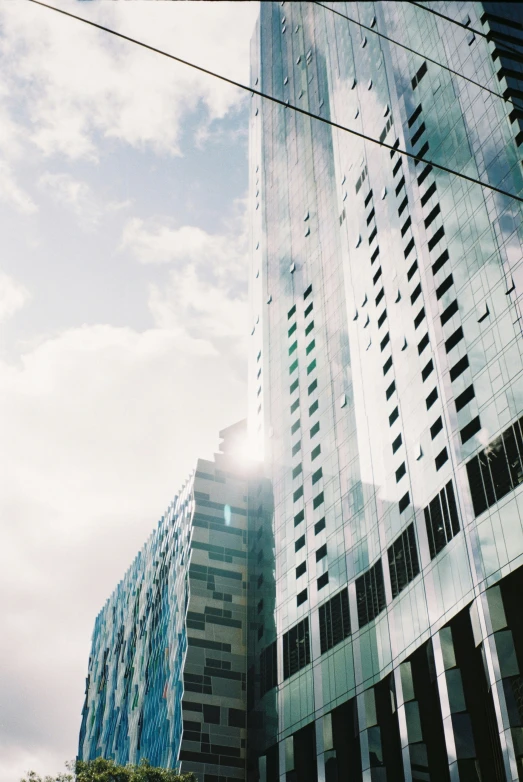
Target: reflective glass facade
column 386, row 375
column 167, row 671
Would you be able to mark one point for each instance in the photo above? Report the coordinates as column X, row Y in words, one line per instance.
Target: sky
column 123, row 318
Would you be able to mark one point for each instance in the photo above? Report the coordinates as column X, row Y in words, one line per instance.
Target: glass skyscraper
column 386, row 375
column 167, row 671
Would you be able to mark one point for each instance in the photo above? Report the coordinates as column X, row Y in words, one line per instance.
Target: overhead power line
column 280, row 102
column 413, row 51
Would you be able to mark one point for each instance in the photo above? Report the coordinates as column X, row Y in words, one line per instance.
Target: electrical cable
column 413, row 51
column 280, row 102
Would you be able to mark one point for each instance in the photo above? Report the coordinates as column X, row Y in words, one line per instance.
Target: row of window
column 442, row 523
column 497, row 469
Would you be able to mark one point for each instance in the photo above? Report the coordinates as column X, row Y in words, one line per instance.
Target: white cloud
column 11, row 192
column 77, row 197
column 206, row 289
column 79, row 82
column 104, row 424
column 13, row 296
column 203, row 309
column 156, row 241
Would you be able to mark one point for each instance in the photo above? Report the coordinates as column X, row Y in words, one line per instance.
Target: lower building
column 167, row 671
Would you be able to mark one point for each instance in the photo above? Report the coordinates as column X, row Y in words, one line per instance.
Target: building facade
column 167, row 671
column 386, row 375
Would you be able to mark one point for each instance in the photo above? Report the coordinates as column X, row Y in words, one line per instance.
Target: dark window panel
column 470, row 430
column 441, row 519
column 464, row 398
column 445, row 285
column 427, row 369
column 296, row 648
column 322, row 581
column 458, row 368
column 370, row 594
column 403, row 560
column 396, row 444
column 447, row 313
column 334, row 621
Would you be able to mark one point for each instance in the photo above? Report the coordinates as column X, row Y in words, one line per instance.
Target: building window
column 441, row 458
column 403, row 560
column 370, row 594
column 496, row 470
column 315, row 452
column 458, row 368
column 309, row 328
column 297, row 470
column 291, row 312
column 299, row 544
column 431, row 398
column 393, row 416
column 313, row 386
column 313, row 408
column 299, row 517
column 436, row 427
column 268, row 668
column 292, row 329
column 316, row 476
column 308, row 310
column 441, row 519
column 319, row 526
column 296, row 448
column 307, row 292
column 396, row 444
column 410, row 275
column 315, row 429
column 311, row 366
column 400, row 472
column 453, row 340
column 390, row 390
column 416, row 293
column 296, row 425
column 301, row 597
column 427, row 370
column 334, row 621
column 294, row 386
column 295, row 406
column 322, row 581
column 423, row 344
column 296, row 648
column 447, row 313
column 463, row 399
column 321, row 552
column 470, row 430
column 301, row 569
column 404, row 502
column 297, row 494
column 445, row 285
column 318, row 500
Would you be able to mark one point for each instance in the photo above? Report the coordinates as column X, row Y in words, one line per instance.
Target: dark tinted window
column 296, row 648
column 403, row 560
column 334, row 621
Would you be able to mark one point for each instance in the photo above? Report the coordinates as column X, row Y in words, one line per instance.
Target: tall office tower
column 386, row 368
column 167, row 671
